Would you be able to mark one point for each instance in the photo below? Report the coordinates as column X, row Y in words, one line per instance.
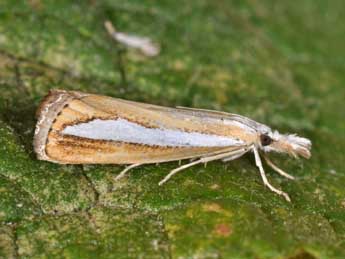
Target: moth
column 81, row 128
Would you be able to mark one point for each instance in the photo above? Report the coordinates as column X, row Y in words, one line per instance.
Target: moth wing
column 205, row 111
column 68, row 149
column 56, row 147
column 204, row 114
column 84, row 151
column 223, row 116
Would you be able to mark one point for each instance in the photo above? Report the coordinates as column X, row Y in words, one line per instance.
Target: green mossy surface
column 278, row 62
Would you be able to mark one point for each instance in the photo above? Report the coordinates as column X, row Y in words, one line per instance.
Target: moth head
column 285, row 143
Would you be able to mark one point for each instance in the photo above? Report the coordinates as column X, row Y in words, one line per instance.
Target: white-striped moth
column 80, row 128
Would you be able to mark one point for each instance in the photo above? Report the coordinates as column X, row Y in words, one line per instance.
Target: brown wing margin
column 46, row 114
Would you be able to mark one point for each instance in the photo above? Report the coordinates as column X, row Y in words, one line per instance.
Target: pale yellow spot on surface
column 179, row 65
column 172, row 229
column 214, row 186
column 342, row 203
column 215, row 207
column 6, row 242
column 25, row 246
column 3, row 39
column 281, row 212
column 320, row 194
column 190, row 213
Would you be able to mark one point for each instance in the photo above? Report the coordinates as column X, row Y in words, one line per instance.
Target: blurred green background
column 278, row 62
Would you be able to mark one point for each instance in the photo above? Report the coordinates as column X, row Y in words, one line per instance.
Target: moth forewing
column 80, row 128
column 87, row 128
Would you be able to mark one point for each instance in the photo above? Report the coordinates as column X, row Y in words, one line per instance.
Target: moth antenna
column 201, row 160
column 277, row 169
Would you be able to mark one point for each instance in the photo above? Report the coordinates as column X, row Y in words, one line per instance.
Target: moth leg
column 277, row 169
column 124, row 171
column 201, row 160
column 166, row 178
column 264, row 178
column 235, row 156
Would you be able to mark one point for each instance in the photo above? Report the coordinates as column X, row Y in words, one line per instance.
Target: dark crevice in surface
column 121, row 89
column 23, row 108
column 19, row 59
column 45, row 66
column 121, row 67
column 19, row 81
column 92, row 186
column 302, row 255
column 15, row 241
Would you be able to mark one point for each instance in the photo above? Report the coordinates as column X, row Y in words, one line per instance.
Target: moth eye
column 265, row 140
